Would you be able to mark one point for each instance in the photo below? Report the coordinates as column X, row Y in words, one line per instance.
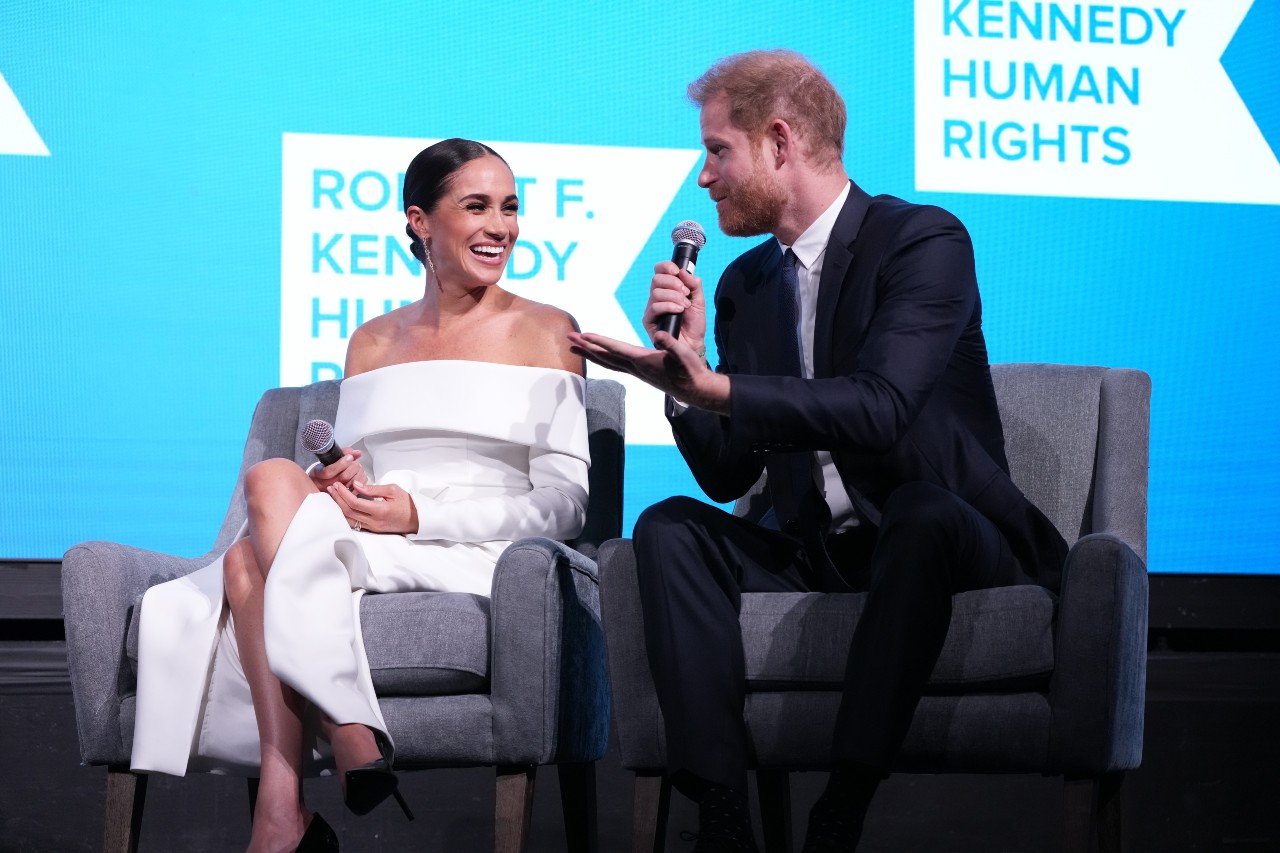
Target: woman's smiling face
column 472, row 228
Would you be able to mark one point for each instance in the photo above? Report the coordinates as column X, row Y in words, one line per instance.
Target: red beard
column 753, row 207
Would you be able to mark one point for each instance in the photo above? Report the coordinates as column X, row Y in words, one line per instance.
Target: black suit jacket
column 902, row 388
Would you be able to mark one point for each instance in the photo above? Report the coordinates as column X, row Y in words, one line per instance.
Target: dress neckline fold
column 422, row 362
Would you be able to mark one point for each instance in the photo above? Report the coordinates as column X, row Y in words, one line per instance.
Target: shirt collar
column 810, row 245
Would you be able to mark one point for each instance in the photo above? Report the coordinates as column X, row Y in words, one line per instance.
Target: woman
column 464, row 429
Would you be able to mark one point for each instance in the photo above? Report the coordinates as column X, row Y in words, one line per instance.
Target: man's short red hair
column 762, row 85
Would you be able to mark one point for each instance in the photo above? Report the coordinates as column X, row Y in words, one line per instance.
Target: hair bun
column 415, row 244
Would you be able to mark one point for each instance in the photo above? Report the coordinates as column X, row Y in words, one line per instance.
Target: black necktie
column 788, row 290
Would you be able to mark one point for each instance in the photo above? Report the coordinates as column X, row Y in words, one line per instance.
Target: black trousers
column 694, row 562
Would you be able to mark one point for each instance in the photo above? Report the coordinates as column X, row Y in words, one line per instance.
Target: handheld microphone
column 688, row 238
column 317, row 438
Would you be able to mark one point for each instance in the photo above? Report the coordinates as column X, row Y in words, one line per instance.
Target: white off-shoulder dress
column 490, row 453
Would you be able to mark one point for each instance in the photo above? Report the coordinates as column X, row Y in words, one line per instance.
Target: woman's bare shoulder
column 543, row 335
column 370, row 341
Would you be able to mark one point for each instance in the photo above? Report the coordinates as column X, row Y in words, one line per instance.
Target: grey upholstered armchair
column 512, row 681
column 1027, row 681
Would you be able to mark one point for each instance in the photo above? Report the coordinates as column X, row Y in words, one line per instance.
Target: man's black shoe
column 724, row 823
column 833, row 828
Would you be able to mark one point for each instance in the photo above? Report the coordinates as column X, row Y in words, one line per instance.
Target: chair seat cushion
column 800, row 641
column 418, row 643
column 426, row 643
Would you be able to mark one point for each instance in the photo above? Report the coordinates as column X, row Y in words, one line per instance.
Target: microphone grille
column 317, row 435
column 689, row 231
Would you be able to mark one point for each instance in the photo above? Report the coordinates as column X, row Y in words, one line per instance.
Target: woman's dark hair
column 429, row 174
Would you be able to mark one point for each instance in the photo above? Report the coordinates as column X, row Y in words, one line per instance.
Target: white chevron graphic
column 17, row 134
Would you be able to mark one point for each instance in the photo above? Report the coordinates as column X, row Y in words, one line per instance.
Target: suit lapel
column 835, row 267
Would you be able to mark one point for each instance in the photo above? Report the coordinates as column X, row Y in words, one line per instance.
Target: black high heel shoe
column 370, row 784
column 319, row 837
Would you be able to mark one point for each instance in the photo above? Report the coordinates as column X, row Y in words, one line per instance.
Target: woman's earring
column 426, row 251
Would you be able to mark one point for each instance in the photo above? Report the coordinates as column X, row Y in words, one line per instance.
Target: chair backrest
column 1076, row 440
column 281, row 412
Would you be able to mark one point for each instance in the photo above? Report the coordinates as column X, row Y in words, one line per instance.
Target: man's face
column 749, row 198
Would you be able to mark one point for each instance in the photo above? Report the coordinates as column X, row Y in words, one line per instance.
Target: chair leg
column 652, row 801
column 1093, row 812
column 252, row 783
column 126, row 796
column 773, row 788
column 578, row 802
column 513, row 805
column 1111, row 813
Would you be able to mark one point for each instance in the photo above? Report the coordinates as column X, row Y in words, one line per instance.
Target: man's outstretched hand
column 673, row 367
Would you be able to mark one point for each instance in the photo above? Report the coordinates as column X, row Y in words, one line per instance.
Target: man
column 853, row 370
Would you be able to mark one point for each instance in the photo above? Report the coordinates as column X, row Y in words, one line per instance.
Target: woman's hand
column 346, row 471
column 378, row 509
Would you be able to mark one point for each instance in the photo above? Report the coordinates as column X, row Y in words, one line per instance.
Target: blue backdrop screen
column 200, row 201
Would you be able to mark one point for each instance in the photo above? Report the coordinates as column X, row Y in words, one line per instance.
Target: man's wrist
column 713, row 393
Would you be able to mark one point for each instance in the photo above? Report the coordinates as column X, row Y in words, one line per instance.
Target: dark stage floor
column 1209, row 782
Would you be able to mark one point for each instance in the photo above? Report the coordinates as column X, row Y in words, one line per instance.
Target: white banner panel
column 1121, row 101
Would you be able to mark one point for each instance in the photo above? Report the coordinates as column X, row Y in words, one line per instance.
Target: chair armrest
column 1120, row 478
column 1097, row 691
column 549, row 687
column 641, row 738
column 100, row 582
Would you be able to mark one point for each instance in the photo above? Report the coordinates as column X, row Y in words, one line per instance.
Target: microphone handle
column 684, row 256
column 330, row 454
